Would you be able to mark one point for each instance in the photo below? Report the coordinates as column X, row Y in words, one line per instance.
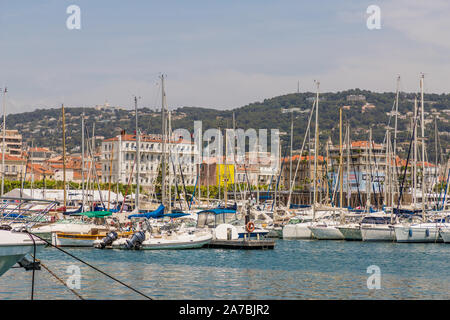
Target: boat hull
column 326, row 233
column 377, row 234
column 351, row 234
column 297, row 231
column 417, row 234
column 445, row 235
column 79, row 240
column 15, row 246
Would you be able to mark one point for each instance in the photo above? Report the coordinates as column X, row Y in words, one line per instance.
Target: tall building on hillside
column 118, row 157
column 13, row 142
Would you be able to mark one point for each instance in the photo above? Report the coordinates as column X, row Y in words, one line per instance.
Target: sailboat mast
column 349, row 192
column 4, row 140
column 415, row 155
column 234, row 156
column 64, row 153
column 163, row 130
column 169, row 133
column 292, row 142
column 316, row 147
column 138, row 155
column 341, row 173
column 82, row 162
column 423, row 145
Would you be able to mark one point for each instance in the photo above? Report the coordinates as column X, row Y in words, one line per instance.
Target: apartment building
column 13, row 142
column 118, row 159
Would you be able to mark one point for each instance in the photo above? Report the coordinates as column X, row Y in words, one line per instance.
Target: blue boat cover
column 158, row 213
column 175, row 215
column 294, row 206
column 75, row 211
column 217, row 211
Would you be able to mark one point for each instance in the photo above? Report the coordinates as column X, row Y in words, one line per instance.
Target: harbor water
column 295, row 269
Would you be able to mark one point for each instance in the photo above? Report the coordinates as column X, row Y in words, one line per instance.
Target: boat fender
column 410, row 233
column 427, row 233
column 250, row 226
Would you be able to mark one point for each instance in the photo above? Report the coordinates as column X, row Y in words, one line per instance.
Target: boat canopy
column 213, row 217
column 175, row 215
column 298, row 206
column 74, row 211
column 96, row 214
column 158, row 213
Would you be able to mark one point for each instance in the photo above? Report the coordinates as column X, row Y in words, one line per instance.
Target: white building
column 118, row 160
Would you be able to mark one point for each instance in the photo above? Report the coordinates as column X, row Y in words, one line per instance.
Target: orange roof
column 287, row 159
column 9, row 157
column 364, row 144
column 35, row 167
column 38, row 149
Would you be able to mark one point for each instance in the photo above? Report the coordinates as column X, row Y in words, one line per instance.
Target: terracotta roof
column 364, row 144
column 35, row 167
column 9, row 157
column 38, row 149
column 287, row 159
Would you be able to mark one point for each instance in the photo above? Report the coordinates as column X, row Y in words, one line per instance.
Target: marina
column 224, row 151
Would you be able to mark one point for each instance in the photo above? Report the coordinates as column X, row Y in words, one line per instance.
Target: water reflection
column 294, row 270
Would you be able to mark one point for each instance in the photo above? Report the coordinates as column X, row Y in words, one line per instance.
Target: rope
column 34, row 262
column 62, row 281
column 91, row 266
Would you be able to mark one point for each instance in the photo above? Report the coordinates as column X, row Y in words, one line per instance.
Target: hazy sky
column 215, row 53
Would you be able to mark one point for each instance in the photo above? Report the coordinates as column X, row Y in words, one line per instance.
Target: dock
column 242, row 244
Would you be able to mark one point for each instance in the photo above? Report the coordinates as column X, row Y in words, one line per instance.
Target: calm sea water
column 295, row 269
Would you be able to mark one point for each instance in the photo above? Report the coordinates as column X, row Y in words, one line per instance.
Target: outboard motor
column 107, row 241
column 135, row 241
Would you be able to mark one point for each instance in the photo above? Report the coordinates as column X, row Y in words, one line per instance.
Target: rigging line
column 300, row 156
column 406, row 165
column 356, row 177
column 62, row 281
column 89, row 265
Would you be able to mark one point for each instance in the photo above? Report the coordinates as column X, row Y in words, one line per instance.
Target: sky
column 215, row 53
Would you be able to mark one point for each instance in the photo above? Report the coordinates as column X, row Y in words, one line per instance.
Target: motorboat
column 168, row 241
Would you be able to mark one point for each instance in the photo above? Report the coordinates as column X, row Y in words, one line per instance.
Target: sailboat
column 424, row 231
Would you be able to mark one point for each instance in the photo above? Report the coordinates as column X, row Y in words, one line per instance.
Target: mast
column 163, row 129
column 423, row 145
column 110, row 175
column 169, row 136
column 4, row 139
column 138, row 155
column 369, row 176
column 82, row 163
column 234, row 156
column 64, row 153
column 341, row 173
column 316, row 147
column 415, row 156
column 292, row 137
column 349, row 192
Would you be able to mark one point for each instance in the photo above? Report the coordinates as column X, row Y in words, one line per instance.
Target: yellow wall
column 225, row 171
